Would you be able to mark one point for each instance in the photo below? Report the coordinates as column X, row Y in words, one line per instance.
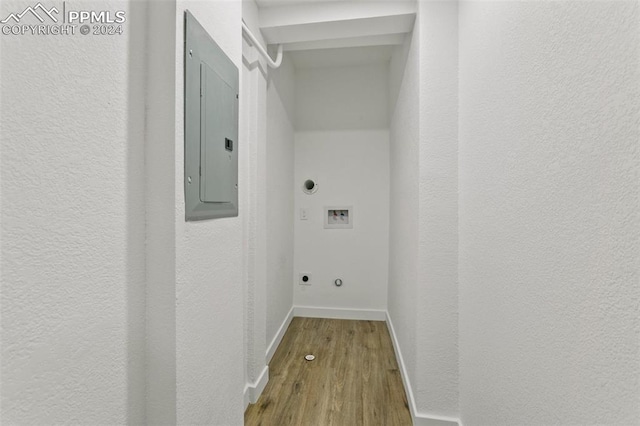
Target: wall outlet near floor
column 304, row 279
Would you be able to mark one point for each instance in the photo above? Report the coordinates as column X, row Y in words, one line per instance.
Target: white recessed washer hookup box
column 338, row 217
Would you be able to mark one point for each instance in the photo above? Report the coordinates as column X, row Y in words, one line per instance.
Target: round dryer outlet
column 304, row 279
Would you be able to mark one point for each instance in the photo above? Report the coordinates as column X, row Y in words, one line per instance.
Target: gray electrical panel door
column 211, row 127
column 217, row 127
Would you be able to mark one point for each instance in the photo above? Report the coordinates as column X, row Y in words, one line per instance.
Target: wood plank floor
column 354, row 379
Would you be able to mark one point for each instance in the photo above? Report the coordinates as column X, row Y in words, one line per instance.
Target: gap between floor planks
column 354, row 379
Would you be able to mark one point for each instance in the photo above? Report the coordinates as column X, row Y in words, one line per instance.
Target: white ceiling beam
column 334, row 29
column 306, row 13
column 375, row 40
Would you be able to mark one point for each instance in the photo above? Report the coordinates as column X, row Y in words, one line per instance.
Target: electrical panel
column 211, row 83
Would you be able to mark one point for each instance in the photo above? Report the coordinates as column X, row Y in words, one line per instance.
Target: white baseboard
column 271, row 349
column 419, row 419
column 252, row 391
column 339, row 313
column 245, row 396
column 432, row 420
column 260, row 384
column 403, row 369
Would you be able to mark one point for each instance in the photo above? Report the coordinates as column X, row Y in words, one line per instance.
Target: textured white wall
column 160, row 188
column 72, row 236
column 280, row 194
column 73, row 252
column 351, row 168
column 423, row 286
column 209, row 264
column 403, row 196
column 549, row 231
column 341, row 98
column 253, row 193
column 437, row 298
column 267, row 102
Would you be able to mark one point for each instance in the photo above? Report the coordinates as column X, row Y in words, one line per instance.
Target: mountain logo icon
column 39, row 11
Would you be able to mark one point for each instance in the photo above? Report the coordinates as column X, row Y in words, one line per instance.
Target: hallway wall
column 79, row 193
column 252, row 184
column 549, row 225
column 437, row 340
column 423, row 288
column 280, row 190
column 209, row 263
column 404, row 178
column 267, row 147
column 160, row 189
column 72, row 225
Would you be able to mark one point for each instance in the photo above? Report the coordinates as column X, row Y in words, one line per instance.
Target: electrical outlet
column 305, row 279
